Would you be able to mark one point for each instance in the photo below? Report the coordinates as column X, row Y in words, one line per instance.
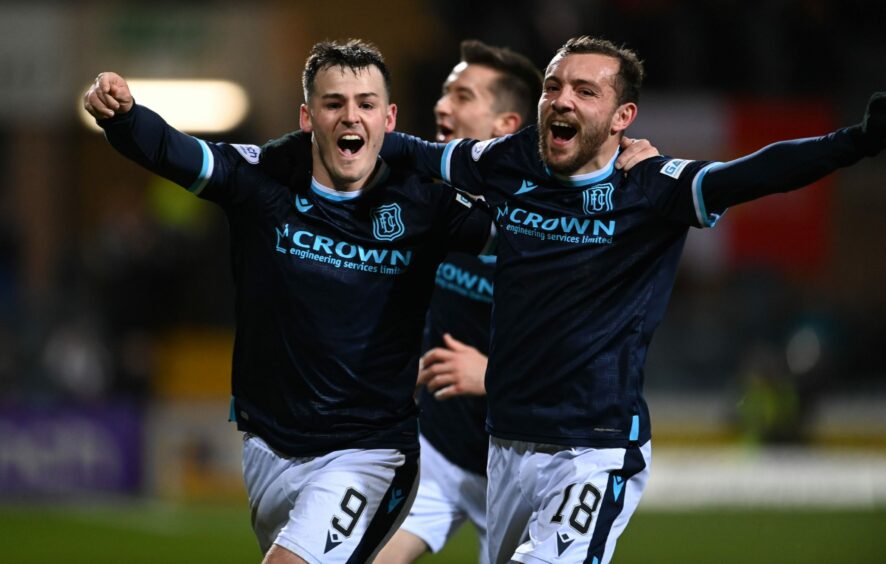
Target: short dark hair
column 630, row 72
column 353, row 54
column 519, row 86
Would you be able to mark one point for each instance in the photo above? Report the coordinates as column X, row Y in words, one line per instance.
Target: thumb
column 452, row 343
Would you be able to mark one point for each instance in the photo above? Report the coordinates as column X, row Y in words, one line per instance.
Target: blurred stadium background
column 766, row 382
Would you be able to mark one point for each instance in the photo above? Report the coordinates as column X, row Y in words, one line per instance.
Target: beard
column 590, row 138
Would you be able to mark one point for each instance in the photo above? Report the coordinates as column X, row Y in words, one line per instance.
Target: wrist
column 866, row 141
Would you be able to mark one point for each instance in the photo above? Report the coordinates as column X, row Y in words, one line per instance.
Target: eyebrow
column 586, row 82
column 339, row 96
column 577, row 81
column 465, row 89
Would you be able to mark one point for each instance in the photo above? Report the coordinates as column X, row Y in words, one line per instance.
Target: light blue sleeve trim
column 704, row 219
column 206, row 169
column 446, row 161
column 635, row 428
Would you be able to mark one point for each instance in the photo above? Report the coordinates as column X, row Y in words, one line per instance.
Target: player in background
column 587, row 258
column 491, row 92
column 332, row 277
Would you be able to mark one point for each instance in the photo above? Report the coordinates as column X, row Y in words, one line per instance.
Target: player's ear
column 624, row 116
column 304, row 119
column 391, row 118
column 506, row 123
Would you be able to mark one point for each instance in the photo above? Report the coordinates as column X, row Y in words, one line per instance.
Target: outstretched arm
column 281, row 158
column 429, row 158
column 144, row 137
column 789, row 165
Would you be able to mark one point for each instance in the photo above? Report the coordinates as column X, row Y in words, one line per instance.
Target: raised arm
column 144, row 137
column 280, row 157
column 424, row 157
column 108, row 96
column 788, row 165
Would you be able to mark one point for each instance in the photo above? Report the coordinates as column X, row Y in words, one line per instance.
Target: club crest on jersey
column 387, row 222
column 597, row 198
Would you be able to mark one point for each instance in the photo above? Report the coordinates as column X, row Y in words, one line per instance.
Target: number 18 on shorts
column 565, row 505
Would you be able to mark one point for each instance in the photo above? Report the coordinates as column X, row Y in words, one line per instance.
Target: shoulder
column 665, row 169
column 416, row 187
column 249, row 153
column 501, row 147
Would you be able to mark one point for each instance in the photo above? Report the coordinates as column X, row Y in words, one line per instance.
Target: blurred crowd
column 131, row 260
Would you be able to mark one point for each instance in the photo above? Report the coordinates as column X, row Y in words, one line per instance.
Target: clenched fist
column 108, row 96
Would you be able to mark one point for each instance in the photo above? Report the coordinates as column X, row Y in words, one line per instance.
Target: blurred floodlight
column 193, row 106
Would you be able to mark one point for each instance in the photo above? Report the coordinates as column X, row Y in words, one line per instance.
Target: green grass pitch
column 145, row 532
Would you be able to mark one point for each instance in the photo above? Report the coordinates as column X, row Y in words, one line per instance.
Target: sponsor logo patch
column 250, row 153
column 332, row 541
column 526, row 186
column 617, row 485
column 674, row 167
column 397, row 497
column 563, row 542
column 479, row 148
column 302, row 204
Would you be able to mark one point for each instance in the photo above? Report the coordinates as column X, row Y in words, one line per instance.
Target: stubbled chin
column 562, row 151
column 557, row 158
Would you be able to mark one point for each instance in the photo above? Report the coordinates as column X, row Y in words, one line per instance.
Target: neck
column 602, row 158
column 322, row 175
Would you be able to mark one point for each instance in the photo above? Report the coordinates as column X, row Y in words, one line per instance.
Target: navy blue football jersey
column 331, row 287
column 585, row 269
column 461, row 306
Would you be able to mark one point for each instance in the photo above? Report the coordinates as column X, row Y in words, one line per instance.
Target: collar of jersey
column 588, row 177
column 379, row 176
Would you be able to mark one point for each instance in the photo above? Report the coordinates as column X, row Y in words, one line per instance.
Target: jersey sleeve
column 287, row 159
column 466, row 227
column 208, row 170
column 461, row 162
column 779, row 167
column 672, row 188
column 701, row 191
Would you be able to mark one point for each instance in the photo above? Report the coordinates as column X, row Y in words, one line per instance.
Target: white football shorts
column 448, row 495
column 550, row 503
column 340, row 507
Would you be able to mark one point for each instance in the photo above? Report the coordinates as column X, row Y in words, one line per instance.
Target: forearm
column 144, row 137
column 779, row 167
column 406, row 151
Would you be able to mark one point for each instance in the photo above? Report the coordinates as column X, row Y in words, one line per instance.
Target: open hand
column 453, row 370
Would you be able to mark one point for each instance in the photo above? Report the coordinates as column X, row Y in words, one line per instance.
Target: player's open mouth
column 444, row 133
column 562, row 132
column 350, row 144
